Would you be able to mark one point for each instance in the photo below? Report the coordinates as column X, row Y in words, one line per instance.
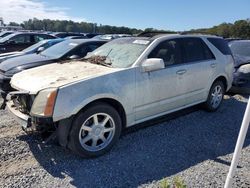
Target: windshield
column 60, row 49
column 4, row 39
column 35, row 46
column 121, row 53
column 3, row 34
column 240, row 48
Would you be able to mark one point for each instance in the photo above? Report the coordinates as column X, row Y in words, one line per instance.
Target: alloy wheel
column 217, row 95
column 97, row 132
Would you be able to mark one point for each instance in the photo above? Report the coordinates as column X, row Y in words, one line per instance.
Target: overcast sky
column 161, row 14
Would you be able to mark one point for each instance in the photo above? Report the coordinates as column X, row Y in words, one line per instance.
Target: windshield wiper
column 99, row 60
column 42, row 54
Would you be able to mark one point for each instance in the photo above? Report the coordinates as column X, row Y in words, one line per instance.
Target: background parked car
column 111, row 36
column 36, row 48
column 67, row 34
column 91, row 35
column 19, row 41
column 72, row 34
column 241, row 53
column 76, row 37
column 68, row 49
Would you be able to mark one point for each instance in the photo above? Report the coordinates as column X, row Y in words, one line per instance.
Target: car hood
column 56, row 75
column 241, row 60
column 9, row 55
column 22, row 61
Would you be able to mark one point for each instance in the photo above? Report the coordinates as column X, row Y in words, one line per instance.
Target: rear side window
column 82, row 50
column 93, row 46
column 196, row 50
column 41, row 37
column 221, row 45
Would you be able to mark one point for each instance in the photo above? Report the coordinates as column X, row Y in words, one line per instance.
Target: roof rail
column 154, row 33
column 233, row 39
column 194, row 33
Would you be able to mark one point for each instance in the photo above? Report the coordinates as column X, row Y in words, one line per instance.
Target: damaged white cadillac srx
column 87, row 103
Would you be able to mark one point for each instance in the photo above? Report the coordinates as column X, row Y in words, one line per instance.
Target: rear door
column 199, row 66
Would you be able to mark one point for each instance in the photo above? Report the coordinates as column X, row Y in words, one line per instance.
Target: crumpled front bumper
column 28, row 123
column 23, row 119
column 241, row 78
column 5, row 86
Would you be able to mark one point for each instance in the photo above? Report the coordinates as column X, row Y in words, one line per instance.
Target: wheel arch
column 65, row 125
column 112, row 102
column 223, row 79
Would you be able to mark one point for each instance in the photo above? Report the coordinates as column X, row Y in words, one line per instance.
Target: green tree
column 241, row 29
column 13, row 24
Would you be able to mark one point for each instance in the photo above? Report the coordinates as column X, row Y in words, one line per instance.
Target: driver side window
column 169, row 51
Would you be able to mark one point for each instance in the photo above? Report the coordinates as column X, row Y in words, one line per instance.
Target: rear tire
column 215, row 96
column 95, row 130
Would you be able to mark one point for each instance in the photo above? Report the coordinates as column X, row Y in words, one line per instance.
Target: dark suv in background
column 72, row 34
column 241, row 53
column 20, row 41
column 67, row 34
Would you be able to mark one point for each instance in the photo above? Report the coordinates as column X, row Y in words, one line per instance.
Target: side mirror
column 40, row 49
column 153, row 64
column 74, row 57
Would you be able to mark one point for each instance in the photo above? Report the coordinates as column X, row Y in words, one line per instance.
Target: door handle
column 181, row 72
column 213, row 65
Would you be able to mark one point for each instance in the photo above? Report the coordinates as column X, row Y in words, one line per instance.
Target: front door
column 161, row 91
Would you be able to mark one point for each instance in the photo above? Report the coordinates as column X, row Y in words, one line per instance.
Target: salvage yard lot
column 195, row 146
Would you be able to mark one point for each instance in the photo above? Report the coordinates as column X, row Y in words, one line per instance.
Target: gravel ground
column 195, row 146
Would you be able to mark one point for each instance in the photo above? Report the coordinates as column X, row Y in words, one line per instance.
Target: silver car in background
column 87, row 103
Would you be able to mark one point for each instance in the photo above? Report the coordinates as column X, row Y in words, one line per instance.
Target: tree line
column 238, row 29
column 70, row 26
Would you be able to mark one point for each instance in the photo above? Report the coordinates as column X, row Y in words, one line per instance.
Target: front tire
column 215, row 96
column 95, row 130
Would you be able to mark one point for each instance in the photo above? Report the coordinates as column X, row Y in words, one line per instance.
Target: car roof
column 79, row 41
column 31, row 33
column 172, row 36
column 7, row 32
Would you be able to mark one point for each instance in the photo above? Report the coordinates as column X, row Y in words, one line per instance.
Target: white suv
column 87, row 103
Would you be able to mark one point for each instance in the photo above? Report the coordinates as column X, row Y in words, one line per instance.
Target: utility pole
column 239, row 146
column 94, row 27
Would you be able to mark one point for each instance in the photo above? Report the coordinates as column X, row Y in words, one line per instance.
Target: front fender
column 119, row 86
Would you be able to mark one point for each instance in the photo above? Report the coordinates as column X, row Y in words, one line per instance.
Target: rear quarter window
column 221, row 45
